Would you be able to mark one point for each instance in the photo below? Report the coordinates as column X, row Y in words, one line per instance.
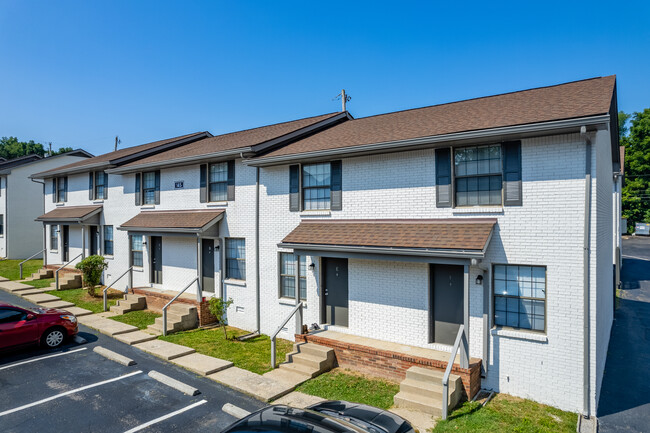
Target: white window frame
column 521, row 282
column 239, row 259
column 302, row 273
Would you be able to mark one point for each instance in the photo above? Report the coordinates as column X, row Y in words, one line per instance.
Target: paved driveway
column 625, row 395
column 73, row 389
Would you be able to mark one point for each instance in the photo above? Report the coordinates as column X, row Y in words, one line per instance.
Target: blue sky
column 79, row 73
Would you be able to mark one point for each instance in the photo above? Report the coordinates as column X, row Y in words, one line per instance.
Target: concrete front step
column 135, row 337
column 180, row 317
column 130, row 302
column 42, row 274
column 300, row 369
column 164, row 349
column 421, row 390
column 430, row 405
column 202, row 364
column 253, row 384
column 78, row 311
column 69, row 281
column 291, row 378
column 310, row 361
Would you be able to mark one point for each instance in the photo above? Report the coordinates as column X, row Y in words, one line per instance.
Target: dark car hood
column 372, row 415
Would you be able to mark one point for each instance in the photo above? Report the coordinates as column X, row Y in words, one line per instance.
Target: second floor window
column 60, row 189
column 478, row 175
column 147, row 188
column 136, row 250
column 98, row 185
column 108, row 240
column 316, row 183
column 218, row 181
column 54, row 237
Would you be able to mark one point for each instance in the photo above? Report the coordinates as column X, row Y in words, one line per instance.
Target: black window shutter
column 138, row 193
column 231, row 180
column 157, row 187
column 336, row 187
column 91, row 185
column 54, row 190
column 512, row 195
column 294, row 188
column 105, row 185
column 203, row 193
column 443, row 178
column 65, row 188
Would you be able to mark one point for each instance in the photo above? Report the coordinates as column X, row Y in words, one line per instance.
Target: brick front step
column 156, row 300
column 393, row 365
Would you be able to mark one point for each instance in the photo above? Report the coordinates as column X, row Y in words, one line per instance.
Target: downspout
column 257, row 250
column 586, row 282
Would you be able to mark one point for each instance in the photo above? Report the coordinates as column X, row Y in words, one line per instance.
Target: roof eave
column 147, row 152
column 422, row 252
column 531, row 129
column 242, row 151
column 74, row 170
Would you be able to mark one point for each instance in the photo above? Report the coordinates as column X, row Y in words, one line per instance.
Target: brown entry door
column 447, row 299
column 336, row 291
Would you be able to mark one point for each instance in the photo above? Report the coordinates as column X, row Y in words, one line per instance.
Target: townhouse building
column 492, row 222
column 21, row 202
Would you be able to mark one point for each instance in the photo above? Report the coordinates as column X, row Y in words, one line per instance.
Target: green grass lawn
column 139, row 318
column 9, row 268
column 81, row 298
column 40, row 284
column 253, row 355
column 508, row 414
column 341, row 384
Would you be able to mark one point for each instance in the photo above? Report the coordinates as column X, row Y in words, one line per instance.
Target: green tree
column 92, row 268
column 636, row 192
column 11, row 148
column 218, row 308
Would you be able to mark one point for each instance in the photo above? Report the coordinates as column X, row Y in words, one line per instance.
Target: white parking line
column 41, row 358
column 635, row 257
column 63, row 394
column 164, row 417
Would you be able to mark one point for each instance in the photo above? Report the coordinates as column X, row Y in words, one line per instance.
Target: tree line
column 636, row 192
column 11, row 148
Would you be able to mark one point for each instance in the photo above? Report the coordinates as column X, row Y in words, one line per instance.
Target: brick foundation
column 156, row 301
column 393, row 365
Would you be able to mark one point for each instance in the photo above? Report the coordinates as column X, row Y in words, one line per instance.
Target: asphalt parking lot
column 75, row 389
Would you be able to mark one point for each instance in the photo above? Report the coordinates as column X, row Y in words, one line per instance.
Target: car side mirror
column 30, row 317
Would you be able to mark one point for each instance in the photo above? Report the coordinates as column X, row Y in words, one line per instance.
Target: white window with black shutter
column 147, row 188
column 482, row 175
column 217, row 182
column 60, row 189
column 316, row 186
column 97, row 185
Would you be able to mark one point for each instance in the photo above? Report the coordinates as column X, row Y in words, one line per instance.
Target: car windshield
column 358, row 422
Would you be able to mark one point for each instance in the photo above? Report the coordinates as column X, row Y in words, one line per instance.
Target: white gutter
column 432, row 140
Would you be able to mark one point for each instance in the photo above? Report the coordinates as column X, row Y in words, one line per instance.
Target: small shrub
column 218, row 308
column 92, row 268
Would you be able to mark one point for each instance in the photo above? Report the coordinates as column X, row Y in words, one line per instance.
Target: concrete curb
column 173, row 383
column 113, row 356
column 235, row 411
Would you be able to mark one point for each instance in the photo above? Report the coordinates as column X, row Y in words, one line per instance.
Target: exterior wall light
column 312, row 266
column 479, row 280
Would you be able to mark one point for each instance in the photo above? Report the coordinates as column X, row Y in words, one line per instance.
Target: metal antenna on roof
column 117, row 141
column 344, row 99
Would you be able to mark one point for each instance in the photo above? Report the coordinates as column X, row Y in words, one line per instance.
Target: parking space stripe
column 164, row 417
column 41, row 358
column 63, row 394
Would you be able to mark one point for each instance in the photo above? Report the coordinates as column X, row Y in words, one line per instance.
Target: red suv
column 25, row 326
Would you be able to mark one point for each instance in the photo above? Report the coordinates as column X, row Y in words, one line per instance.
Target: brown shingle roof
column 67, row 213
column 233, row 140
column 179, row 219
column 565, row 101
column 430, row 234
column 121, row 153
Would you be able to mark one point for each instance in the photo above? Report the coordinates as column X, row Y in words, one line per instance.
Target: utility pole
column 117, row 141
column 50, row 151
column 344, row 100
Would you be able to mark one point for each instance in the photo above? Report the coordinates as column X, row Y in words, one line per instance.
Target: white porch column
column 299, row 312
column 45, row 244
column 464, row 347
column 199, row 268
column 83, row 242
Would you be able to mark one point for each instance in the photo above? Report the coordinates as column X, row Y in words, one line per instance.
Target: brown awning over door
column 70, row 214
column 179, row 221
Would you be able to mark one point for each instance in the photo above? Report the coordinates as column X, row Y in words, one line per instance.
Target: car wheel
column 53, row 337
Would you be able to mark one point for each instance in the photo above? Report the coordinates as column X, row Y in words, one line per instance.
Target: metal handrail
column 28, row 258
column 450, row 364
column 56, row 274
column 111, row 285
column 164, row 310
column 277, row 331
